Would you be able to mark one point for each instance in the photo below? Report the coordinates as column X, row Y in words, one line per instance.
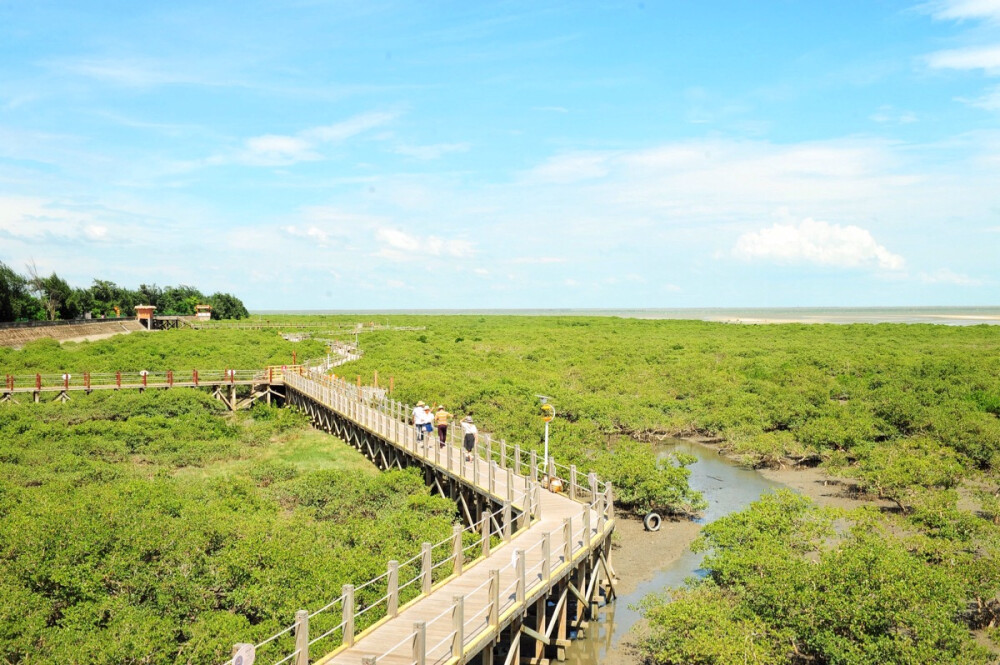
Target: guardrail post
column 425, row 568
column 517, row 459
column 519, row 572
column 420, row 642
column 458, row 626
column 491, row 477
column 546, row 561
column 347, row 614
column 534, row 467
column 536, row 503
column 494, row 598
column 456, row 548
column 86, row 381
column 609, row 500
column 506, row 522
column 487, row 534
column 572, row 482
column 551, row 464
column 600, row 513
column 38, row 381
column 301, row 638
column 194, row 375
column 568, row 539
column 586, row 527
column 392, row 589
column 510, row 485
column 489, row 450
column 503, row 453
column 118, row 379
column 368, row 660
column 592, row 480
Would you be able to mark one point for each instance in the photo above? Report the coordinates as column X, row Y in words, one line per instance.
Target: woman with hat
column 470, row 437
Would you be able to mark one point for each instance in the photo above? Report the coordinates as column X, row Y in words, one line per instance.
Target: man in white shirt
column 421, row 418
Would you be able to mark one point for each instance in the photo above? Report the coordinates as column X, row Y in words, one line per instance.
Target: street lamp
column 548, row 413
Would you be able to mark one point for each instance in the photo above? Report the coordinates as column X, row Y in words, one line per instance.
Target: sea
column 951, row 316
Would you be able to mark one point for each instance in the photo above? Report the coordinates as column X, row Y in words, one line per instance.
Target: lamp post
column 548, row 413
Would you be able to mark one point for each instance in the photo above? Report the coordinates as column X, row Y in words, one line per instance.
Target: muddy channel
column 652, row 562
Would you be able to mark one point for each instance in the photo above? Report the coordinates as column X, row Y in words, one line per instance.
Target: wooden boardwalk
column 469, row 611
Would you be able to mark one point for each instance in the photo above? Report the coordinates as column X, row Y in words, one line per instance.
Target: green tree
column 227, row 306
column 16, row 302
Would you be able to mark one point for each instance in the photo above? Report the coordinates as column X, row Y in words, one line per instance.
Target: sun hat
column 467, row 419
column 421, row 404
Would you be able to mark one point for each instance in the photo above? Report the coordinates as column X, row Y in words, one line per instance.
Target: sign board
column 548, row 412
column 244, row 654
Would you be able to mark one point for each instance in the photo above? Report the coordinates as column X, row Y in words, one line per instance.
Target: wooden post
column 572, row 482
column 458, row 626
column 609, row 500
column 534, row 467
column 420, row 642
column 489, row 450
column 425, row 568
column 568, row 539
column 519, row 573
column 592, row 480
column 456, row 548
column 546, row 557
column 347, row 614
column 517, row 459
column 552, row 467
column 536, row 503
column 494, row 613
column 487, row 534
column 392, row 590
column 506, row 522
column 510, row 485
column 491, row 475
column 586, row 527
column 503, row 453
column 600, row 513
column 301, row 638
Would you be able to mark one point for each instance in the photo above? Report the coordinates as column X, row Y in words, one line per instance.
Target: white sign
column 244, row 654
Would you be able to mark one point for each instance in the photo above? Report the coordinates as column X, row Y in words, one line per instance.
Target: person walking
column 421, row 418
column 470, row 437
column 441, row 418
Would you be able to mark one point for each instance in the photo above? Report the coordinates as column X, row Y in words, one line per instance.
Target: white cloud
column 32, row 219
column 398, row 245
column 945, row 276
column 275, row 150
column 989, row 101
column 353, row 126
column 313, row 233
column 965, row 9
column 435, row 151
column 672, row 288
column 305, row 146
column 817, row 243
column 986, row 58
column 481, row 271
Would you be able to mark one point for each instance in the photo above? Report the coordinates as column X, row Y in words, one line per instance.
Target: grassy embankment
column 159, row 528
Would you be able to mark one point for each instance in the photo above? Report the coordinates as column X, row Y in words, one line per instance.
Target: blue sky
column 317, row 154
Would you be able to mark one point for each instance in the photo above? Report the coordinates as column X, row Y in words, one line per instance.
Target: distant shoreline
column 954, row 316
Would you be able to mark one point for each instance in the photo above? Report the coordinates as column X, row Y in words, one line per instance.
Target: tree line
column 34, row 297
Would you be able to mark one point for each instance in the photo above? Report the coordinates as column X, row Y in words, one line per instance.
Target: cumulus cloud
column 818, row 243
column 570, row 168
column 398, row 245
column 31, row 219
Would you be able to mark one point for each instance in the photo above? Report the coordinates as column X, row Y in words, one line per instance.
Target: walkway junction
column 522, row 575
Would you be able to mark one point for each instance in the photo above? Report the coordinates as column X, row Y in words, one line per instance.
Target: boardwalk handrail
column 388, row 419
column 49, row 382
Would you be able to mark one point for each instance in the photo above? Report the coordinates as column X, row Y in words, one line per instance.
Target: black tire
column 652, row 521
